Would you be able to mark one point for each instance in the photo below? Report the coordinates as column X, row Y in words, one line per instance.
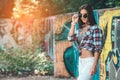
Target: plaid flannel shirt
column 92, row 39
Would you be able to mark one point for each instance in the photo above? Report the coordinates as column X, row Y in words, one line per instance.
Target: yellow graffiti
column 106, row 21
column 114, row 59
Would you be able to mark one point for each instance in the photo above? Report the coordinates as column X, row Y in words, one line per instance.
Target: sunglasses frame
column 83, row 15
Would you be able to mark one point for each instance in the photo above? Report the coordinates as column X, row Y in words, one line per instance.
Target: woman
column 89, row 39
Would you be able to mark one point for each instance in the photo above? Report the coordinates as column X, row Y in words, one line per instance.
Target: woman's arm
column 71, row 34
column 72, row 29
column 97, row 41
column 94, row 67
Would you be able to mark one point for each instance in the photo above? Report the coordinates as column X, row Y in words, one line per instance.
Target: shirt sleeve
column 97, row 40
column 73, row 37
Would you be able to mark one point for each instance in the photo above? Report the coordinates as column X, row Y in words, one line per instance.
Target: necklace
column 84, row 29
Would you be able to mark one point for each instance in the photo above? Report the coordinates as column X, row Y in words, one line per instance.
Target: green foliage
column 113, row 3
column 15, row 61
column 25, row 61
column 43, row 64
column 53, row 7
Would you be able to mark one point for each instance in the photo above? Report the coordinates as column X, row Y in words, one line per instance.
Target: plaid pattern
column 92, row 39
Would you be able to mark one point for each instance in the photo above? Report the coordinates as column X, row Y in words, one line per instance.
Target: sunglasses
column 83, row 15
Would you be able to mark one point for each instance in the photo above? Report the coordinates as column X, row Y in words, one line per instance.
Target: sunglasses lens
column 85, row 15
column 80, row 15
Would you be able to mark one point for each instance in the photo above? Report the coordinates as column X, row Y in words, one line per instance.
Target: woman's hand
column 75, row 18
column 73, row 23
column 93, row 70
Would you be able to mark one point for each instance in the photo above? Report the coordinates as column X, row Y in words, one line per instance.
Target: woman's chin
column 84, row 21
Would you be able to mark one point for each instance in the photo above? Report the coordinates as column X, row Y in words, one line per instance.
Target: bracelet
column 72, row 23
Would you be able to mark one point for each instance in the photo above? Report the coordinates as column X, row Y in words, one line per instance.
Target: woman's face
column 84, row 16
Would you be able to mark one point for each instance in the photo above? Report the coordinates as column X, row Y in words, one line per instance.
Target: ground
column 35, row 78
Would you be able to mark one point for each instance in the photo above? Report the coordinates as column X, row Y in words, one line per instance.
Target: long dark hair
column 91, row 18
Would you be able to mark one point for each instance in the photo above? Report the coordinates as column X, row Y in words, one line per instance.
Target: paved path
column 36, row 78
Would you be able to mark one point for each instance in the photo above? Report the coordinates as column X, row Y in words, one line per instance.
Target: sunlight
column 26, row 8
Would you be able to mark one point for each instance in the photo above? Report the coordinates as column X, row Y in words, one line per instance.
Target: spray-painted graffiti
column 6, row 39
column 110, row 56
column 109, row 20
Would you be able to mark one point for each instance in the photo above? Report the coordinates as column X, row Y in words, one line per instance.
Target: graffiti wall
column 109, row 21
column 16, row 33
